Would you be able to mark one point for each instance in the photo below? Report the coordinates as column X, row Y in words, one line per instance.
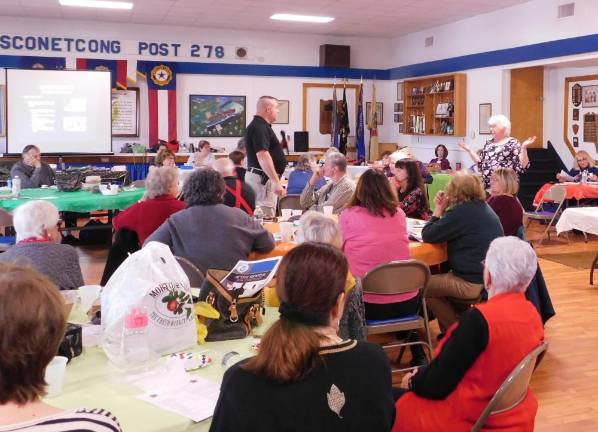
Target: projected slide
column 59, row 111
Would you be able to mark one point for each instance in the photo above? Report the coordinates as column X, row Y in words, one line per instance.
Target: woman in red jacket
column 478, row 353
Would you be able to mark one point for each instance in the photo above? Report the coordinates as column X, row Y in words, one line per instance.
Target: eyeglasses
column 581, row 160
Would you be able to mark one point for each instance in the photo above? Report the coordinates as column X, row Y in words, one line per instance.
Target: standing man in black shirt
column 265, row 159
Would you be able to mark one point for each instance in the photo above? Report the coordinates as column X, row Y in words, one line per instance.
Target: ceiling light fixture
column 302, row 18
column 97, row 4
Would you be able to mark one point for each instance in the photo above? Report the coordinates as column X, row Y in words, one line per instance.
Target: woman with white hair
column 158, row 203
column 501, row 151
column 479, row 352
column 38, row 245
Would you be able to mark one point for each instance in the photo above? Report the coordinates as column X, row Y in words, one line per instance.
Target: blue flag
column 50, row 63
column 360, row 128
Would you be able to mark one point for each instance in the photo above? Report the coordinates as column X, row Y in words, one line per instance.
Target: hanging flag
column 50, row 63
column 359, row 134
column 161, row 94
column 334, row 128
column 373, row 126
column 117, row 68
column 344, row 123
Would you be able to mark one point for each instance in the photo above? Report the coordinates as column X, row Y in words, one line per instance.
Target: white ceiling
column 376, row 18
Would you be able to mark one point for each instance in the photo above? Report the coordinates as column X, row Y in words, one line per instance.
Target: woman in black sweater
column 467, row 224
column 305, row 377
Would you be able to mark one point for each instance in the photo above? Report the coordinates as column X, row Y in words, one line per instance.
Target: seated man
column 31, row 170
column 336, row 193
column 238, row 193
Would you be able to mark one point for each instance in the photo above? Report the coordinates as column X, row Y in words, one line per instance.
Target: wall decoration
column 2, row 110
column 379, row 112
column 400, row 91
column 590, row 96
column 397, row 118
column 283, row 112
column 401, row 127
column 589, row 128
column 485, row 111
column 125, row 112
column 576, row 95
column 576, row 114
column 398, row 107
column 575, row 142
column 216, row 116
column 575, row 128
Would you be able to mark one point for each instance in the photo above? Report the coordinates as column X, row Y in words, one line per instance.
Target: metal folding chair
column 514, row 388
column 399, row 277
column 556, row 194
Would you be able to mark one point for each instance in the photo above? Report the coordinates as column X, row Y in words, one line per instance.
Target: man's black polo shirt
column 260, row 136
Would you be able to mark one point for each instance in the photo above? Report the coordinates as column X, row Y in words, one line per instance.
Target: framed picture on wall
column 485, row 114
column 125, row 112
column 2, row 110
column 576, row 114
column 589, row 96
column 396, row 118
column 400, row 91
column 216, row 116
column 283, row 112
column 379, row 112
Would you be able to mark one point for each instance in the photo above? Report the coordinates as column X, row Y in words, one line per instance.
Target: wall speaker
column 301, row 140
column 335, row 56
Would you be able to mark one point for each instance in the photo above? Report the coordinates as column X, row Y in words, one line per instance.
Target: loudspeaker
column 301, row 140
column 335, row 56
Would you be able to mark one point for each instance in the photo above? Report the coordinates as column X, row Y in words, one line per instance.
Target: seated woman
column 441, row 153
column 38, row 245
column 478, row 353
column 584, row 164
column 412, row 196
column 504, row 185
column 467, row 224
column 301, row 175
column 158, row 203
column 208, row 233
column 339, row 384
column 33, row 321
column 165, row 158
column 203, row 157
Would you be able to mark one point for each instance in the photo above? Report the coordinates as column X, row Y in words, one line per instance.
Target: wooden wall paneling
column 527, row 104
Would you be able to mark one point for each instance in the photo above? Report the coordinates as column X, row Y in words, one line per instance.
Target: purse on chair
column 238, row 315
column 69, row 182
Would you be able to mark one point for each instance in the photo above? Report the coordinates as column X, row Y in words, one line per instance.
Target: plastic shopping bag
column 153, row 281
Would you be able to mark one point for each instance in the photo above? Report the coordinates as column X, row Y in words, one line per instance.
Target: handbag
column 238, row 315
column 69, row 182
column 72, row 343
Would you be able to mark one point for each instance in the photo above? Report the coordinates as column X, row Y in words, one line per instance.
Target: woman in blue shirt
column 301, row 175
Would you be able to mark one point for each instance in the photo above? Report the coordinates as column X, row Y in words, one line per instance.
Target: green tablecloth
column 439, row 183
column 80, row 201
column 92, row 382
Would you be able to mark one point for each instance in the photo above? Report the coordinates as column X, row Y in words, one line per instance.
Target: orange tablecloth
column 574, row 191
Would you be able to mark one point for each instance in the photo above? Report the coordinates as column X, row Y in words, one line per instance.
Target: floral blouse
column 504, row 156
column 414, row 204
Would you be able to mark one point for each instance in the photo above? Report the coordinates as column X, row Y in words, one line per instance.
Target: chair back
column 290, row 202
column 557, row 193
column 514, row 388
column 195, row 275
column 397, row 277
column 5, row 219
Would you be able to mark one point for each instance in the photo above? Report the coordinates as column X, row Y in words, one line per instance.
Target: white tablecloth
column 580, row 218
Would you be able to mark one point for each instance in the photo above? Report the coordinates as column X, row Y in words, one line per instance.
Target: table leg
column 592, row 270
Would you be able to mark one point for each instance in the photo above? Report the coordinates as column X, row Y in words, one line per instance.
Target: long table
column 575, row 191
column 79, row 201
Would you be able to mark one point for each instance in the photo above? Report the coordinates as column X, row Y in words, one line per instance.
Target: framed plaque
column 125, row 112
column 576, row 95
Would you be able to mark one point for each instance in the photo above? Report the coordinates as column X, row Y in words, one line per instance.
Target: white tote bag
column 152, row 279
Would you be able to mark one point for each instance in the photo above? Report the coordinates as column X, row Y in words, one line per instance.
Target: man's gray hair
column 315, row 227
column 160, row 181
column 33, row 218
column 224, row 166
column 338, row 160
column 265, row 101
column 512, row 264
column 500, row 121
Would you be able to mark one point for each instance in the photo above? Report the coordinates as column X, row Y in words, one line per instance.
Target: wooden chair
column 195, row 275
column 556, row 194
column 514, row 388
column 399, row 277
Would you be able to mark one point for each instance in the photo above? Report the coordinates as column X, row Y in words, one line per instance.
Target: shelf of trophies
column 436, row 105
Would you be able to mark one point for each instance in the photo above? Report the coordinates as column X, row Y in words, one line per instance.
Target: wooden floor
column 566, row 383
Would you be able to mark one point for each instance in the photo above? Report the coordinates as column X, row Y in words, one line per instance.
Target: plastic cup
column 327, row 210
column 286, row 213
column 54, row 376
column 88, row 294
column 286, row 231
column 297, row 212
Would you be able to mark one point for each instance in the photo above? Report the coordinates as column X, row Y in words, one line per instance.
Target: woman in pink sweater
column 374, row 232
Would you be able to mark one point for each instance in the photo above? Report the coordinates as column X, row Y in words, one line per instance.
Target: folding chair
column 290, row 202
column 556, row 194
column 399, row 277
column 194, row 274
column 513, row 389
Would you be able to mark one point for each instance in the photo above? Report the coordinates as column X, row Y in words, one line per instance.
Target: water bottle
column 9, row 183
column 135, row 342
column 16, row 187
column 584, row 177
